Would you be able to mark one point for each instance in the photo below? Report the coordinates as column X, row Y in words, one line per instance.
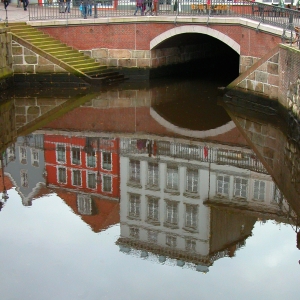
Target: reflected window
column 153, row 209
column 24, row 178
column 172, row 212
column 107, row 183
column 75, row 156
column 23, row 155
column 191, row 216
column 134, row 232
column 192, row 181
column 223, row 185
column 61, row 153
column 190, row 245
column 91, row 177
column 153, row 174
column 152, row 236
column 106, row 160
column 76, row 180
column 84, row 204
column 171, row 241
column 172, row 178
column 11, row 153
column 134, row 171
column 62, row 175
column 34, row 157
column 134, row 205
column 259, row 190
column 91, row 159
column 240, row 187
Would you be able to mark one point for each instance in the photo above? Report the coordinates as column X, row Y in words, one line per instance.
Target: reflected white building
column 25, row 166
column 185, row 202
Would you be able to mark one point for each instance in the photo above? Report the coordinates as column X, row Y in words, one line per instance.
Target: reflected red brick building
column 88, row 164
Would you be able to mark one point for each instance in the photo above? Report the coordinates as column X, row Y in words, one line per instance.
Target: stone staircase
column 66, row 57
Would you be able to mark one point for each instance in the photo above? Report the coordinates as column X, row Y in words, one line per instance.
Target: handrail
column 263, row 13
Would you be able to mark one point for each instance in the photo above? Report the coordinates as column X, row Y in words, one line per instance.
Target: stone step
column 39, row 38
column 62, row 54
column 92, row 68
column 75, row 61
column 57, row 48
column 84, row 64
column 106, row 72
column 53, row 43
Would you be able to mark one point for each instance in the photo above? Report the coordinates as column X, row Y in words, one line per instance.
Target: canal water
column 145, row 191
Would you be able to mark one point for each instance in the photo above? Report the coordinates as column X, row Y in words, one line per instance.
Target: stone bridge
column 143, row 46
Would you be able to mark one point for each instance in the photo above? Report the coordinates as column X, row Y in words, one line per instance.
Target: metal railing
column 275, row 15
column 271, row 14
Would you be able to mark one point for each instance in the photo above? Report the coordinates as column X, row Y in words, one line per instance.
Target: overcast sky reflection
column 48, row 252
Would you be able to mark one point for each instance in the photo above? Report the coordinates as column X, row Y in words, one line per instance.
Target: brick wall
column 128, row 44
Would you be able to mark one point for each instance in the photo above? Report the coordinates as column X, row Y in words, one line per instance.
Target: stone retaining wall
column 26, row 61
column 126, row 58
column 5, row 55
column 275, row 76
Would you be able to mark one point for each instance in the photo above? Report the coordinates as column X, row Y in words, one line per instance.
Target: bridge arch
column 196, row 29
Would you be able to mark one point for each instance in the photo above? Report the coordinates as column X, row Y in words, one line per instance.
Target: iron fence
column 272, row 14
column 285, row 18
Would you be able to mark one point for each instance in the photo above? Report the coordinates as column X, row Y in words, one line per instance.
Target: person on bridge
column 68, row 4
column 25, row 4
column 85, row 5
column 155, row 7
column 149, row 5
column 6, row 3
column 139, row 6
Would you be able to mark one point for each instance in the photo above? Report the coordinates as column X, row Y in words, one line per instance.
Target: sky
column 48, row 252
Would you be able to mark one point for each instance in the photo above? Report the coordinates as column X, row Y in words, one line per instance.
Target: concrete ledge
column 203, row 20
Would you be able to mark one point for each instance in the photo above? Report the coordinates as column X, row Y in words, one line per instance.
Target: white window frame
column 24, row 178
column 240, row 188
column 92, row 158
column 153, row 209
column 88, row 181
column 84, row 204
column 172, row 178
column 192, row 180
column 58, row 175
column 153, row 174
column 34, row 157
column 191, row 216
column 259, row 190
column 134, row 232
column 223, row 185
column 106, row 164
column 77, row 150
column 135, row 171
column 134, row 209
column 104, row 182
column 73, row 178
column 171, row 241
column 23, row 155
column 60, row 156
column 172, row 212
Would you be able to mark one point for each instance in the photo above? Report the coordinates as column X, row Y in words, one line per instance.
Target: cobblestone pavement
column 13, row 13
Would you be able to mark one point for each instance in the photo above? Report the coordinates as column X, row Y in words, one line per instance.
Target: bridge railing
column 274, row 15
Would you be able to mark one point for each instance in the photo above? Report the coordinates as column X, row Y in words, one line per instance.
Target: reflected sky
column 48, row 253
column 61, row 237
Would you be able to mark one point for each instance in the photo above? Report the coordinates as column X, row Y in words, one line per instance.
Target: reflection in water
column 180, row 200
